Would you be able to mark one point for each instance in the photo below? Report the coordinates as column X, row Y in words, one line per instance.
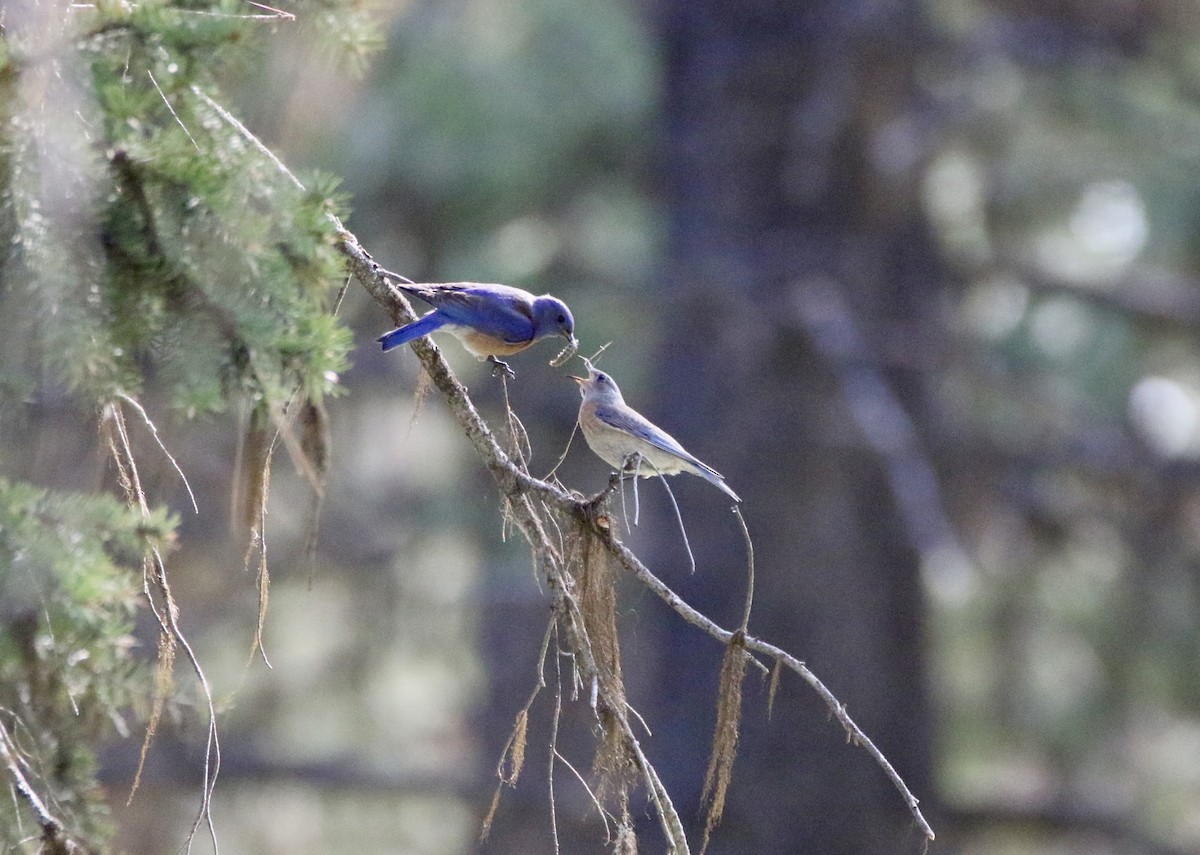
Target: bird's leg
column 630, row 468
column 500, row 368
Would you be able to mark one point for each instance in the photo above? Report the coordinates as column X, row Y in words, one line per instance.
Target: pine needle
column 773, row 687
column 172, row 109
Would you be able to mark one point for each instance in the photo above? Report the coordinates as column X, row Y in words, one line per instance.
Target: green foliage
column 506, row 107
column 151, row 243
column 168, row 241
column 69, row 589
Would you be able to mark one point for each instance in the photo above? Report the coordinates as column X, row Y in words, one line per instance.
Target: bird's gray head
column 598, row 386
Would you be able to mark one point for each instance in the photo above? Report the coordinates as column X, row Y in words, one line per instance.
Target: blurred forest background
column 918, row 278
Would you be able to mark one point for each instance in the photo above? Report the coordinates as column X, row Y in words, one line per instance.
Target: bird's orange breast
column 482, row 344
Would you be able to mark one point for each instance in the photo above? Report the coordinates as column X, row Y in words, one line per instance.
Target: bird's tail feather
column 714, row 477
column 416, row 329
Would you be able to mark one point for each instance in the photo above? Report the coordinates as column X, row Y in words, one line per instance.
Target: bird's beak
column 577, row 379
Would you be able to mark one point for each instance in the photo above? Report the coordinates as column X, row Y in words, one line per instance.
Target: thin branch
column 679, row 519
column 513, row 751
column 604, row 814
column 745, row 626
column 522, row 450
column 519, row 489
column 668, row 817
column 249, row 137
column 1153, row 294
column 133, row 402
column 553, row 753
column 54, row 838
column 881, row 419
column 166, row 613
column 853, row 732
column 563, row 456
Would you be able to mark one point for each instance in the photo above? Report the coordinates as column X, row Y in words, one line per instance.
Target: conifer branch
column 54, row 839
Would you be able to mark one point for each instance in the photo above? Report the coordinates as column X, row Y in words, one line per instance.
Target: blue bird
column 489, row 320
column 618, row 433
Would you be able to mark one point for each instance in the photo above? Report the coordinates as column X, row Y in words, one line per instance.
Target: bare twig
column 745, row 626
column 520, row 490
column 55, row 840
column 553, row 753
column 513, row 752
column 249, row 137
column 881, row 418
column 162, row 603
column 853, row 732
column 141, row 411
column 679, row 519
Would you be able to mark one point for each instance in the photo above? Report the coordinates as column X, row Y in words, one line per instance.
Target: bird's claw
column 633, row 463
column 500, row 368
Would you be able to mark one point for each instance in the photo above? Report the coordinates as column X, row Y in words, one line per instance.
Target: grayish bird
column 615, row 432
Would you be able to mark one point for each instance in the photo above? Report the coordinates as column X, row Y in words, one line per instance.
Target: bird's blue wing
column 496, row 310
column 634, row 423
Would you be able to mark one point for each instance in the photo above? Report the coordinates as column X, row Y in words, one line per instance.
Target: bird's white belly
column 615, row 446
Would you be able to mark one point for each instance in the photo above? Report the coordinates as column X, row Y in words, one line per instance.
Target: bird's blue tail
column 416, row 329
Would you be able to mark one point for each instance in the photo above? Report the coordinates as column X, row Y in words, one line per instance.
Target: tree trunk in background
column 791, row 156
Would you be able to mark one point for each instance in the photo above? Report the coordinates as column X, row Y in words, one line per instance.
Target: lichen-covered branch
column 756, row 645
column 520, row 490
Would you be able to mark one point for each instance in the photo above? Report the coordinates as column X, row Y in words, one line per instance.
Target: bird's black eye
column 562, row 319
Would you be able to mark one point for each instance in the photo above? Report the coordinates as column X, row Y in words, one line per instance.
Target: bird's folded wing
column 634, row 423
column 502, row 313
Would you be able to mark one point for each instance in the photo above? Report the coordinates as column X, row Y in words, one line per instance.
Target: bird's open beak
column 576, row 379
